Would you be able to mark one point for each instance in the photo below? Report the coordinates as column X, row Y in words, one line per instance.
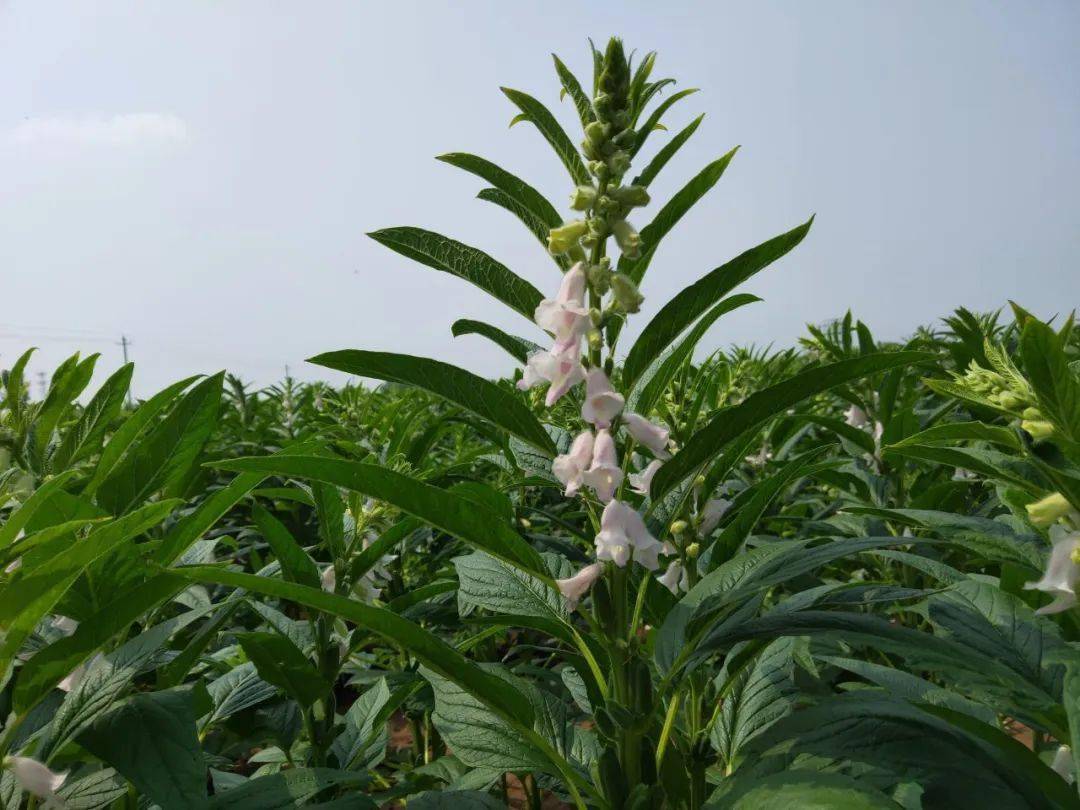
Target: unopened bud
column 1049, row 510
column 627, row 237
column 699, row 482
column 596, row 316
column 1039, row 429
column 619, row 163
column 597, row 132
column 566, row 236
column 627, row 297
column 1032, row 414
column 596, row 340
column 678, row 527
column 602, row 105
column 582, row 198
column 693, row 550
column 631, row 196
column 1010, row 401
column 625, row 139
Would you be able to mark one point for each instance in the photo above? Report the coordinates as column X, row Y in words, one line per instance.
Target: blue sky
column 200, row 176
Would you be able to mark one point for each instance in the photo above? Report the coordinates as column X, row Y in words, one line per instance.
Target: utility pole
column 43, row 386
column 124, row 343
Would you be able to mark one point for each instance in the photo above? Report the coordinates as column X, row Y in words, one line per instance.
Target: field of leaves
column 648, row 576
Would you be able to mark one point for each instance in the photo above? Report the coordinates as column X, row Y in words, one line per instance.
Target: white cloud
column 125, row 129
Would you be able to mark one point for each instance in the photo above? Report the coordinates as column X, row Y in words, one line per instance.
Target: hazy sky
column 200, row 175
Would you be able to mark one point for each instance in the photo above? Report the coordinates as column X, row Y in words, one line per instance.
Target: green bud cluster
column 1010, row 395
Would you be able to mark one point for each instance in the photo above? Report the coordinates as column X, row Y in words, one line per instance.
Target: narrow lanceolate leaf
column 296, row 565
column 655, row 380
column 537, row 227
column 537, row 114
column 84, row 437
column 519, row 348
column 654, row 119
column 167, row 451
column 429, row 649
column 453, row 514
column 132, row 428
column 531, row 199
column 18, row 520
column 667, row 153
column 63, row 391
column 755, row 409
column 682, row 310
column 484, row 398
column 577, row 94
column 475, row 266
column 671, row 213
column 1056, row 385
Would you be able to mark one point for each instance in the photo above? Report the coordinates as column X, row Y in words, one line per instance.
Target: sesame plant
column 634, row 576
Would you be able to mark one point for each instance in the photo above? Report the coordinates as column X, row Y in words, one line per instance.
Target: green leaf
column 167, row 452
column 805, row 790
column 518, row 348
column 84, row 437
column 538, row 227
column 671, row 213
column 755, row 409
column 757, row 697
column 286, row 790
column 962, row 431
column 475, row 266
column 238, row 689
column 150, row 739
column 15, row 386
column 682, row 310
column 484, row 398
column 577, row 94
column 279, row 662
column 667, row 153
column 518, row 190
column 487, row 583
column 653, row 121
column 20, row 518
column 63, row 391
column 652, row 384
column 453, row 514
column 363, row 740
column 49, row 666
column 131, row 429
column 296, row 565
column 1055, row 384
column 536, row 113
column 429, row 649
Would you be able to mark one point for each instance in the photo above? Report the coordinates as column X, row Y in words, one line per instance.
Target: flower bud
column 582, row 198
column 1034, row 414
column 627, row 297
column 602, row 106
column 597, row 132
column 596, row 340
column 599, row 170
column 693, row 550
column 598, row 228
column 631, row 196
column 619, row 163
column 628, row 239
column 678, row 527
column 596, row 317
column 1010, row 401
column 590, row 150
column 1039, row 429
column 1049, row 510
column 699, row 482
column 625, row 139
column 566, row 236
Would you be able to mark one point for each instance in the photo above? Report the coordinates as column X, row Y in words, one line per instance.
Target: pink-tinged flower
column 570, row 467
column 602, row 402
column 640, row 482
column 675, row 579
column 575, row 587
column 561, row 367
column 36, row 778
column 604, row 475
column 711, row 513
column 654, row 437
column 565, row 316
column 1062, row 571
column 622, row 532
column 329, row 579
column 856, row 417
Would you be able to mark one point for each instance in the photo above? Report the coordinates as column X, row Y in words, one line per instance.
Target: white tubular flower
column 623, row 531
column 329, row 579
column 575, row 587
column 36, row 779
column 1062, row 571
column 640, row 482
column 856, row 417
column 1063, row 763
column 565, row 316
column 561, row 367
column 570, row 467
column 605, row 475
column 654, row 437
column 711, row 514
column 675, row 579
column 761, row 459
column 65, row 624
column 602, row 402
